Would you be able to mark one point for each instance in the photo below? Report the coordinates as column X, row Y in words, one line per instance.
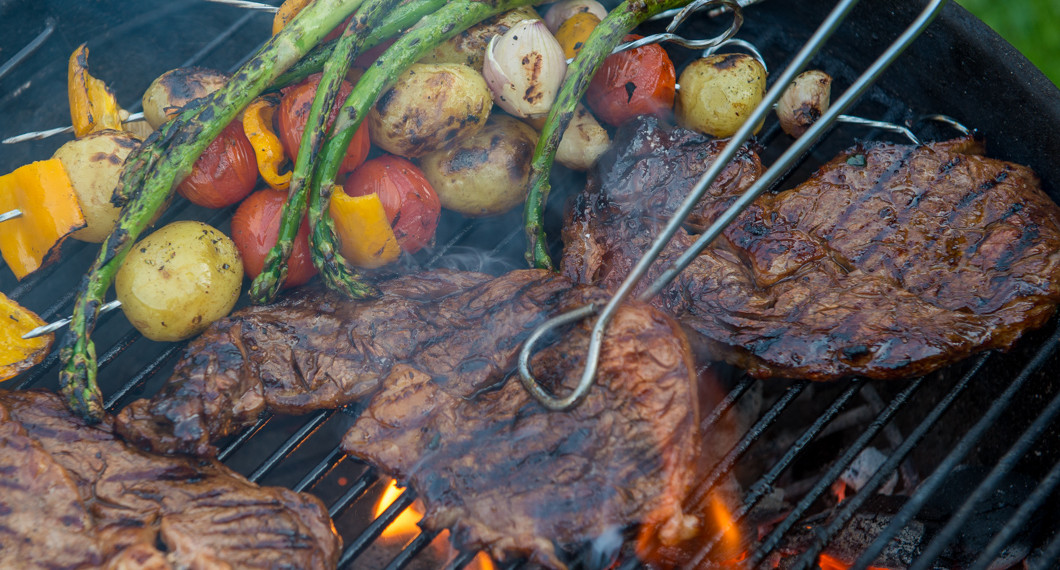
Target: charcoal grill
column 993, row 415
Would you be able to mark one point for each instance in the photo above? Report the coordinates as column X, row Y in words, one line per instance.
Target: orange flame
column 405, row 528
column 730, row 532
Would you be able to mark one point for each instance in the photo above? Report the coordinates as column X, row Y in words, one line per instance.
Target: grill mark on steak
column 892, row 265
column 85, row 499
column 448, row 416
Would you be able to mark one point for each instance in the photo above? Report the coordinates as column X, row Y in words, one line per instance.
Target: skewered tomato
column 225, row 173
column 411, row 204
column 294, row 112
column 255, row 226
column 634, row 82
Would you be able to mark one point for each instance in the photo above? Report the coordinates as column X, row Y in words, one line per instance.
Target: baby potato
column 429, row 106
column 469, row 47
column 719, row 92
column 486, row 173
column 178, row 280
column 174, row 89
column 94, row 163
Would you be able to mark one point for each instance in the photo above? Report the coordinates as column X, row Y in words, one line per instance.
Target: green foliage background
column 1033, row 26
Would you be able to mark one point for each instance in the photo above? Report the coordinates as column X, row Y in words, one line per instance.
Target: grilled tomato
column 255, row 227
column 634, row 82
column 225, row 173
column 294, row 112
column 411, row 204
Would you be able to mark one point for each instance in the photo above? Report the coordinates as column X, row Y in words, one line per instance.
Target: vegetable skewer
column 166, row 158
column 268, row 282
column 449, row 21
column 604, row 38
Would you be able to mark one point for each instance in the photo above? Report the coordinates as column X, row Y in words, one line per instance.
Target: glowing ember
column 832, row 563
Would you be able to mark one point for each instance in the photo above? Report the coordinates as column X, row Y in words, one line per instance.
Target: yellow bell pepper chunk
column 367, row 240
column 19, row 354
column 92, row 105
column 573, row 33
column 257, row 125
column 50, row 211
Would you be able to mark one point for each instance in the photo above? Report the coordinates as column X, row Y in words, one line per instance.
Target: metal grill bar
column 296, row 439
column 146, row 372
column 765, row 484
column 1019, row 520
column 320, row 470
column 422, row 540
column 825, row 481
column 929, row 486
column 356, row 490
column 243, row 437
column 460, row 561
column 1049, row 556
column 841, row 519
column 376, row 527
column 1003, row 467
column 756, row 431
column 32, row 46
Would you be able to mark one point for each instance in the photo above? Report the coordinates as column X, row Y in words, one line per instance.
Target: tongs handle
column 801, row 146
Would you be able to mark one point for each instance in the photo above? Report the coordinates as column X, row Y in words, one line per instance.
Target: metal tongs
column 801, row 146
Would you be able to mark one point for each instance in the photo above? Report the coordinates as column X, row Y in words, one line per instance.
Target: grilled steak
column 75, row 496
column 891, row 261
column 505, row 474
column 316, row 349
column 448, row 414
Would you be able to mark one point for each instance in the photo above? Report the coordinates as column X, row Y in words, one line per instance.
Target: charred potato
column 429, row 106
column 174, row 89
column 719, row 92
column 469, row 47
column 94, row 163
column 178, row 280
column 486, row 173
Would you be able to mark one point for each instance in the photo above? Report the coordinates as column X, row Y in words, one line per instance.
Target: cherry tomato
column 225, row 173
column 634, row 82
column 294, row 112
column 255, row 227
column 411, row 204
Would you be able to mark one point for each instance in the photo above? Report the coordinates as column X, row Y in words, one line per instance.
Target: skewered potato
column 174, row 89
column 429, row 106
column 178, row 280
column 719, row 92
column 469, row 46
column 804, row 101
column 94, row 163
column 486, row 173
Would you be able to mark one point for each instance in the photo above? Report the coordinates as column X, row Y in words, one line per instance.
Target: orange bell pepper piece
column 19, row 354
column 257, row 125
column 50, row 212
column 366, row 238
column 288, row 10
column 92, row 105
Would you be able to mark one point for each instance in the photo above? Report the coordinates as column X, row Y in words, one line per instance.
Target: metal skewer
column 37, row 135
column 801, row 146
column 53, row 326
column 247, row 5
column 10, row 215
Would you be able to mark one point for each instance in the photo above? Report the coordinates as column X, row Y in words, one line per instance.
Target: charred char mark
column 1028, row 237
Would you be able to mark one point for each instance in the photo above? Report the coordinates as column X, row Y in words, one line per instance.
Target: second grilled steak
column 891, row 261
column 76, row 496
